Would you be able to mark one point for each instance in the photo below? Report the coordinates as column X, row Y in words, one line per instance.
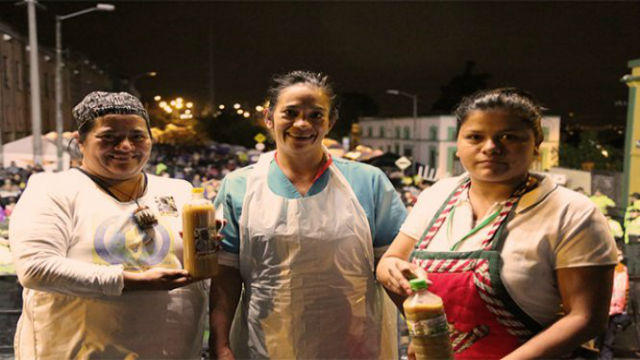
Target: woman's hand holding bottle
column 394, row 274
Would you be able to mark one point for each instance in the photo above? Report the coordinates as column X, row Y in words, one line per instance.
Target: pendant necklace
column 142, row 216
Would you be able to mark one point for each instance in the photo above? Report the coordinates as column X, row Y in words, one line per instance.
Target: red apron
column 485, row 323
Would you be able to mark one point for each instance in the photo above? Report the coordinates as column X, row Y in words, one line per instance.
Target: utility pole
column 59, row 121
column 59, row 64
column 212, row 102
column 34, row 67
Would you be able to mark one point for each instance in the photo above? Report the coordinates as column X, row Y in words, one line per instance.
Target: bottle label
column 428, row 327
column 205, row 242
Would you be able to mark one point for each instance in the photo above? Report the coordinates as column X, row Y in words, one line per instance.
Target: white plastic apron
column 138, row 324
column 308, row 271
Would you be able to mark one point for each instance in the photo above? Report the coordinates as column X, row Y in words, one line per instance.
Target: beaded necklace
column 142, row 216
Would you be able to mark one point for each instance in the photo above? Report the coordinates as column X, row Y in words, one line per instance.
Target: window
column 433, row 157
column 407, row 132
column 381, row 131
column 433, row 133
column 408, row 151
column 370, row 131
column 5, row 72
column 46, row 84
column 451, row 133
column 454, row 166
column 396, row 148
column 397, row 132
column 19, row 76
column 28, row 78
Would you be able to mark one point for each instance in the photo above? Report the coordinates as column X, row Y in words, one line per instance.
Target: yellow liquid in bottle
column 428, row 326
column 198, row 234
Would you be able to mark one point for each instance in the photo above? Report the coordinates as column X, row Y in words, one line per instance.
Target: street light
column 59, row 19
column 414, row 98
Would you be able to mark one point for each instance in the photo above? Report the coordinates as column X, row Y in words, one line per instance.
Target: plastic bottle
column 427, row 323
column 198, row 236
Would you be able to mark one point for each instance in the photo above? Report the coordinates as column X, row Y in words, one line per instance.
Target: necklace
column 128, row 197
column 142, row 215
column 496, row 220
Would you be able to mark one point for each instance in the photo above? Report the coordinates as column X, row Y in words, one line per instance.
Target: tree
column 590, row 153
column 172, row 128
column 460, row 86
column 227, row 126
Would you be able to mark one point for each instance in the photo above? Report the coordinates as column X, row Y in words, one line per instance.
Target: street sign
column 403, row 163
column 260, row 138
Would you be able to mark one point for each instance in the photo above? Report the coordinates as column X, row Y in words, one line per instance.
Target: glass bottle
column 200, row 247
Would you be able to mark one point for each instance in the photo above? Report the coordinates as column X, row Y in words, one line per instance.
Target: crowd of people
column 13, row 180
column 311, row 243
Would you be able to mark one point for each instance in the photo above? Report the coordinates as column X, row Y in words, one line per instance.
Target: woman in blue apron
column 303, row 234
column 524, row 266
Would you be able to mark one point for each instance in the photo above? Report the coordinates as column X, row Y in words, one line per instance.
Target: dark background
column 571, row 55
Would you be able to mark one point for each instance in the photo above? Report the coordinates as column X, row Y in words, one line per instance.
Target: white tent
column 21, row 151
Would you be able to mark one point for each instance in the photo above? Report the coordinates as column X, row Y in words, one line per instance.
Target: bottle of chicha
column 427, row 323
column 198, row 236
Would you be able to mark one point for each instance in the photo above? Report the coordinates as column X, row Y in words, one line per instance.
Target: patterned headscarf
column 100, row 103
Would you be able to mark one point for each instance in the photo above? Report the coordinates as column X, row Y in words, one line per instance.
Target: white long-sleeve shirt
column 71, row 242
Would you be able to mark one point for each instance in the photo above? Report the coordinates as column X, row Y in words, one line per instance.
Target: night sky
column 571, row 55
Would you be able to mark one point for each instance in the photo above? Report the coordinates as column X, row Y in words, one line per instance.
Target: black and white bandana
column 100, row 103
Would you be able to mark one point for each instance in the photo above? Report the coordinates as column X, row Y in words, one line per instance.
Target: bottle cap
column 197, row 190
column 418, row 284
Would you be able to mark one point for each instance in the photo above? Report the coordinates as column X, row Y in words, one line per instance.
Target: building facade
column 433, row 142
column 79, row 76
column 631, row 182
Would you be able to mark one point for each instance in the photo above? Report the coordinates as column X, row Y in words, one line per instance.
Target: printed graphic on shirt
column 166, row 205
column 118, row 240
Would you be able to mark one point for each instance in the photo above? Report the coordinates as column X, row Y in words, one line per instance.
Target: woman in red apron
column 524, row 267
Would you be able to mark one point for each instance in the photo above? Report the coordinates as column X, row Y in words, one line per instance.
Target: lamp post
column 414, row 99
column 34, row 77
column 59, row 19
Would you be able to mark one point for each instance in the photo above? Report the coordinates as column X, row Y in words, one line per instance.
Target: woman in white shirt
column 99, row 252
column 522, row 264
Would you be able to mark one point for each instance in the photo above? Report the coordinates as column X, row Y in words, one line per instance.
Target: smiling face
column 300, row 119
column 117, row 147
column 495, row 146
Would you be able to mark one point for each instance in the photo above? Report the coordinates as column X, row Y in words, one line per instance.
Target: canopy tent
column 21, row 151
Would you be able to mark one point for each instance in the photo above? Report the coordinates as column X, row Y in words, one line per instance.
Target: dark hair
column 518, row 102
column 85, row 129
column 283, row 81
